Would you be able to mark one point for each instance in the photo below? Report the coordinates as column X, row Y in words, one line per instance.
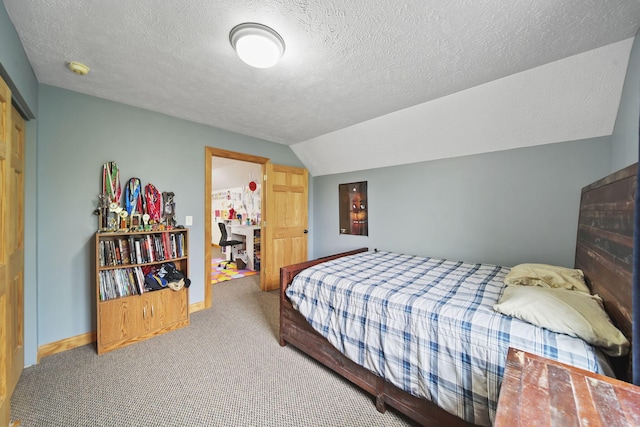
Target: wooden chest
column 540, row 392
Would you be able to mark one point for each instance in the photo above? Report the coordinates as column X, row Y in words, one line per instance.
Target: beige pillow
column 573, row 313
column 547, row 276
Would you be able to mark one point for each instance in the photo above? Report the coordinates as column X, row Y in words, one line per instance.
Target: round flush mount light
column 78, row 68
column 257, row 44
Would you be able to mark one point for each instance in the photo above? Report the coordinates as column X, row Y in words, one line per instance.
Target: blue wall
column 15, row 61
column 505, row 207
column 625, row 134
column 77, row 135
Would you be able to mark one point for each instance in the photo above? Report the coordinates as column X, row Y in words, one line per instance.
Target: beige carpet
column 225, row 369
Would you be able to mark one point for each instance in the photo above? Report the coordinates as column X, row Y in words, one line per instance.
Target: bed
column 602, row 252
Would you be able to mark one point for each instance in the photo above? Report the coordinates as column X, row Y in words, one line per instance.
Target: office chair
column 224, row 243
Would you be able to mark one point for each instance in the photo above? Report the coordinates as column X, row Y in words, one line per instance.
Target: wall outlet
column 188, row 220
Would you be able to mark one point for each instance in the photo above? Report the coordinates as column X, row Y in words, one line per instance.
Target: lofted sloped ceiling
column 362, row 83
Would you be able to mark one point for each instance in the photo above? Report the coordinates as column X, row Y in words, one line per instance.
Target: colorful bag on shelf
column 153, row 282
column 174, row 277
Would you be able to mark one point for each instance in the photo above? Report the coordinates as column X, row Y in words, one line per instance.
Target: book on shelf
column 138, row 247
column 180, row 245
column 148, row 248
column 172, row 239
column 117, row 260
column 107, row 252
column 157, row 247
column 101, row 253
column 139, row 279
column 141, row 249
column 166, row 245
column 125, row 256
column 121, row 282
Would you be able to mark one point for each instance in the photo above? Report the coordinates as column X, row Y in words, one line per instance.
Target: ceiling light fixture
column 257, row 44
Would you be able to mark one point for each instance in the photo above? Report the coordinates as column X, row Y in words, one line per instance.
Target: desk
column 539, row 392
column 248, row 234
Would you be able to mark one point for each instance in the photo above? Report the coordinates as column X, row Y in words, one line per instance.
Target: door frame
column 210, row 153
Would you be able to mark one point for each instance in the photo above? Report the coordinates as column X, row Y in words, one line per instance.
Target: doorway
column 211, row 155
column 236, row 191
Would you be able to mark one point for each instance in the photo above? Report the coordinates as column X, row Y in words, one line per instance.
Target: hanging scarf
column 133, row 196
column 153, row 202
column 111, row 182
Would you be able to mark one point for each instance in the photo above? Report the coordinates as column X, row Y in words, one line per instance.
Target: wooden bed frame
column 603, row 251
column 295, row 330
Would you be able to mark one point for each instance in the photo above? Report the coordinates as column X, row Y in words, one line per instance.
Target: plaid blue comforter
column 427, row 326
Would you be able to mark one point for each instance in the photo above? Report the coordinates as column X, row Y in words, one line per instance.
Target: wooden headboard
column 604, row 248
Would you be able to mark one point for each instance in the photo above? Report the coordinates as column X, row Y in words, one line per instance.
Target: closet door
column 15, row 231
column 11, row 250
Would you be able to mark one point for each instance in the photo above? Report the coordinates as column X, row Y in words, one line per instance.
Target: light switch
column 188, row 220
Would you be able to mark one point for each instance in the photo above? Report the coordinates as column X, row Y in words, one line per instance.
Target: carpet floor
column 225, row 369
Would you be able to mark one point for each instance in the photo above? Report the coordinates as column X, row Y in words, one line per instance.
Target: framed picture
column 135, row 222
column 353, row 208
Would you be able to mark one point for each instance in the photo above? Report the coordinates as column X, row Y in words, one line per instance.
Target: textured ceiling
column 345, row 62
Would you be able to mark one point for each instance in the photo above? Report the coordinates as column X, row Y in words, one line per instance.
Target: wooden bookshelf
column 127, row 311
